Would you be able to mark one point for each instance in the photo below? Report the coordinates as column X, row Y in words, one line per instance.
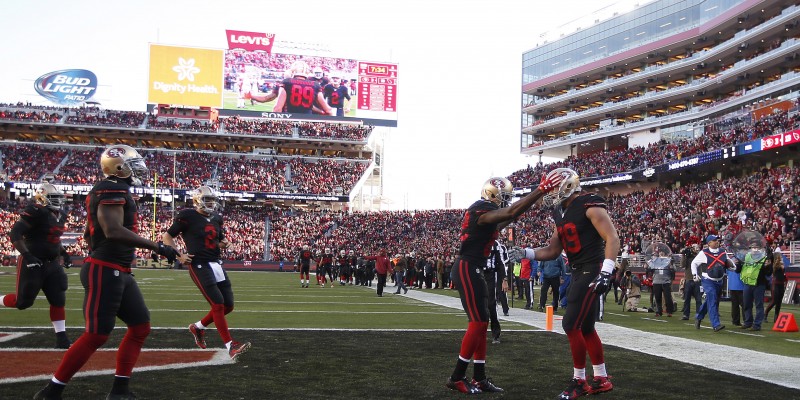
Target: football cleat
column 577, row 388
column 601, row 384
column 45, row 394
column 487, row 386
column 238, row 349
column 62, row 341
column 462, row 385
column 199, row 336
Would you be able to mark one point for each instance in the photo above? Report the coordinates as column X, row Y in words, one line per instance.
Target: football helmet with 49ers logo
column 569, row 185
column 498, row 190
column 49, row 196
column 205, row 200
column 124, row 162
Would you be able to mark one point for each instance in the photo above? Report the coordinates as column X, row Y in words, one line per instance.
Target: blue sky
column 460, row 67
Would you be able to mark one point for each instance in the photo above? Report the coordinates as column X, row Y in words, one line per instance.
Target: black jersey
column 41, row 230
column 305, row 258
column 579, row 238
column 111, row 191
column 201, row 233
column 336, row 96
column 477, row 240
column 301, row 94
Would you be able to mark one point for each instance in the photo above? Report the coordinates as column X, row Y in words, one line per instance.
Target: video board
column 252, row 81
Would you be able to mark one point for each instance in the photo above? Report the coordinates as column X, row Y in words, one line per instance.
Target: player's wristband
column 530, row 253
column 608, row 266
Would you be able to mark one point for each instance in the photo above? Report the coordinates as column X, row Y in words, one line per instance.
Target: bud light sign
column 67, row 86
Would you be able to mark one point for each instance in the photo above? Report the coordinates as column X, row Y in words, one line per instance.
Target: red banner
column 791, row 137
column 250, row 41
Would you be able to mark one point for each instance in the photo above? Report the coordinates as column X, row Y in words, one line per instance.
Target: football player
column 300, row 95
column 110, row 290
column 585, row 232
column 325, row 263
column 304, row 263
column 202, row 231
column 337, row 96
column 343, row 265
column 37, row 237
column 353, row 261
column 479, row 229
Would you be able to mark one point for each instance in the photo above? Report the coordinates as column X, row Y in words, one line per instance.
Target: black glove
column 67, row 262
column 31, row 261
column 167, row 252
column 602, row 282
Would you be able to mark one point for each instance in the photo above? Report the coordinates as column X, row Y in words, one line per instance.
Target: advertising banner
column 67, row 87
column 250, row 41
column 185, row 76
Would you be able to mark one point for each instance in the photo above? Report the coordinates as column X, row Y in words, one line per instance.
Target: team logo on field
column 67, row 86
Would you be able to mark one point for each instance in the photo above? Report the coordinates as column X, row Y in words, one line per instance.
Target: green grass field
column 345, row 342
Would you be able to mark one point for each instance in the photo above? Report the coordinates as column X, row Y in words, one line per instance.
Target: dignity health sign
column 185, row 75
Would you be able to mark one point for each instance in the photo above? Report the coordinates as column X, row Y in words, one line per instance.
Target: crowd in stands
column 125, row 119
column 315, row 130
column 188, row 170
column 236, row 125
column 767, row 201
column 189, row 125
column 722, row 133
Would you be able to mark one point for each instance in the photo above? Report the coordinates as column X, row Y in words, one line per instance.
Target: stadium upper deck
column 308, row 161
column 657, row 73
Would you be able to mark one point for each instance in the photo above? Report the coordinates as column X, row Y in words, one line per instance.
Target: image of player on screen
column 300, row 95
column 337, row 95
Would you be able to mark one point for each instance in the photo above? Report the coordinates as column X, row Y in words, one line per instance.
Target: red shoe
column 601, row 384
column 199, row 336
column 238, row 349
column 462, row 385
column 577, row 388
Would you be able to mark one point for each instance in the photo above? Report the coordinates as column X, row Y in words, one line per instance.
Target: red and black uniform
column 304, row 262
column 335, row 97
column 301, row 94
column 343, row 264
column 467, row 272
column 202, row 234
column 110, row 291
column 40, row 228
column 467, row 276
column 324, row 266
column 585, row 249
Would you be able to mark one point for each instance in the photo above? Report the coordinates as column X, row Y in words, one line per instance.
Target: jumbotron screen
column 353, row 89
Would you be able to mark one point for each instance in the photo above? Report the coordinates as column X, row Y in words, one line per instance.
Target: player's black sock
column 479, row 371
column 120, row 385
column 54, row 389
column 461, row 370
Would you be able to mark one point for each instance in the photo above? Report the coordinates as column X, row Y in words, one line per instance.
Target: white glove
column 516, row 254
column 696, row 278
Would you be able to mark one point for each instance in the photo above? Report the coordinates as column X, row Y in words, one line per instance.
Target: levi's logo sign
column 67, row 86
column 250, row 41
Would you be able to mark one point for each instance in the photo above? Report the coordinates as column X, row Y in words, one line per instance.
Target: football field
column 346, row 342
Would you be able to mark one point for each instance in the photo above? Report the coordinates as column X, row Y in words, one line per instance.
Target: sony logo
column 276, row 115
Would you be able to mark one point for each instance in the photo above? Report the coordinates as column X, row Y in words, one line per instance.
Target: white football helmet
column 341, row 253
column 300, row 68
column 328, row 251
column 305, row 247
column 205, row 200
column 498, row 190
column 123, row 162
column 318, row 73
column 49, row 196
column 571, row 184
